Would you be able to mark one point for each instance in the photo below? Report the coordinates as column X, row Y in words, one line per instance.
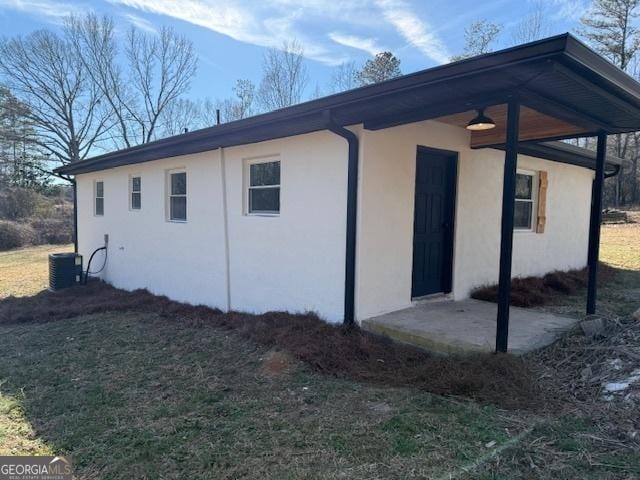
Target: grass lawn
column 139, row 395
column 133, row 396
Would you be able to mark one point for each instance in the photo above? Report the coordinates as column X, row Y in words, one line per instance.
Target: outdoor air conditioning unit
column 65, row 270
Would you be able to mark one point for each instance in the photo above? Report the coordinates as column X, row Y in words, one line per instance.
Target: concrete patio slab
column 468, row 326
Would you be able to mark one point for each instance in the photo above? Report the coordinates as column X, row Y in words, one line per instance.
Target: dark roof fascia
column 579, row 56
column 514, row 55
column 564, row 153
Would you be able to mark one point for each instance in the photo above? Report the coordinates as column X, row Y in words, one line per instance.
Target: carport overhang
column 552, row 89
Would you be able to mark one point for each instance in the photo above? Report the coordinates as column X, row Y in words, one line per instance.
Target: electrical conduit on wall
column 225, row 216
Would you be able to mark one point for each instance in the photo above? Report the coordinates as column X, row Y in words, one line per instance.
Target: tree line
column 88, row 89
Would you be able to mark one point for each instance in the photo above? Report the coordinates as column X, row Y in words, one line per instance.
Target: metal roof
column 558, row 76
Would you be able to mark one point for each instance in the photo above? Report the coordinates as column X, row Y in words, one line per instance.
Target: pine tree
column 479, row 38
column 383, row 66
column 609, row 26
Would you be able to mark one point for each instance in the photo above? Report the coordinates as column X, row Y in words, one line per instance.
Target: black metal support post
column 594, row 225
column 352, row 215
column 506, row 235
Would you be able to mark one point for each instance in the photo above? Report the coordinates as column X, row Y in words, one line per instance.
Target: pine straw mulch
column 337, row 351
column 538, row 291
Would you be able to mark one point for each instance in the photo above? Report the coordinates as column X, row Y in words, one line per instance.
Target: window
column 178, row 196
column 526, row 191
column 98, row 204
column 135, row 188
column 263, row 188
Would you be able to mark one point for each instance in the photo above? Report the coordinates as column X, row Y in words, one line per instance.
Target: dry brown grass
column 25, row 271
column 620, row 245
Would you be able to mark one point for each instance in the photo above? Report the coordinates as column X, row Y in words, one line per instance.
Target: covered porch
column 468, row 326
column 530, row 97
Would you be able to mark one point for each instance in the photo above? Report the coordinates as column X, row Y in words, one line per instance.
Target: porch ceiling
column 533, row 126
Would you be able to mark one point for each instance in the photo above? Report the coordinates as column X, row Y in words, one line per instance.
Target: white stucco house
column 359, row 203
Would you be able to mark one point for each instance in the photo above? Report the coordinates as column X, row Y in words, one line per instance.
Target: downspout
column 75, row 215
column 616, row 171
column 352, row 215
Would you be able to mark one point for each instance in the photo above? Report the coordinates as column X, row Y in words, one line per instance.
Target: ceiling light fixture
column 481, row 122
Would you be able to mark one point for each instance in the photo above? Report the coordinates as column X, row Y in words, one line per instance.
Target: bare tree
column 532, row 26
column 242, row 105
column 94, row 43
column 64, row 106
column 180, row 116
column 284, row 77
column 159, row 69
column 235, row 108
column 479, row 38
column 384, row 66
column 344, row 77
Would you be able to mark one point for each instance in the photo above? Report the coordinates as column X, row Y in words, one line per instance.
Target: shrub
column 14, row 235
column 19, row 203
column 53, row 230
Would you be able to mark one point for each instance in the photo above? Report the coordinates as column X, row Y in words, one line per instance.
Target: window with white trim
column 98, row 203
column 135, row 189
column 526, row 195
column 177, row 200
column 263, row 187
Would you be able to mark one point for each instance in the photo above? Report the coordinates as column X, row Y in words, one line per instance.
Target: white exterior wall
column 294, row 261
column 385, row 229
column 182, row 260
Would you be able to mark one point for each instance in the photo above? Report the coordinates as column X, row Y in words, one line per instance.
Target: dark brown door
column 433, row 221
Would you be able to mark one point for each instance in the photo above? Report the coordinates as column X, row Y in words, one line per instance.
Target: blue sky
column 231, row 36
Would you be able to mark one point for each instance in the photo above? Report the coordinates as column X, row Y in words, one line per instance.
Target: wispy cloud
column 414, row 30
column 571, row 10
column 54, row 10
column 365, row 25
column 141, row 23
column 369, row 45
column 258, row 25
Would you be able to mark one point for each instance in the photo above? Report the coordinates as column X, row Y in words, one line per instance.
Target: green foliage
column 21, row 160
column 383, row 66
